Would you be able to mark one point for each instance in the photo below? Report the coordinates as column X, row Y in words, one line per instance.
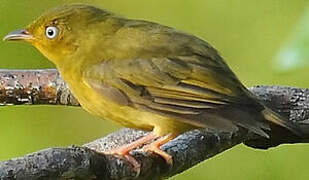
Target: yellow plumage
column 145, row 75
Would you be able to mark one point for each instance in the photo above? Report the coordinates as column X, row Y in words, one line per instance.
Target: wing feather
column 173, row 87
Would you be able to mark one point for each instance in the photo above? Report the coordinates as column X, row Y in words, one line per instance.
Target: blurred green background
column 248, row 33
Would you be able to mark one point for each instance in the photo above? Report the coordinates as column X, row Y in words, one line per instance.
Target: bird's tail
column 280, row 131
column 279, row 120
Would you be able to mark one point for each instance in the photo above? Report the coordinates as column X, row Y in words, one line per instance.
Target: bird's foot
column 124, row 151
column 127, row 157
column 155, row 148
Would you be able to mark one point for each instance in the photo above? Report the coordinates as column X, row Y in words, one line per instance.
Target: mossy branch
column 46, row 87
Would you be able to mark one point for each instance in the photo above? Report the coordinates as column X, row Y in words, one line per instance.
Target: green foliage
column 247, row 33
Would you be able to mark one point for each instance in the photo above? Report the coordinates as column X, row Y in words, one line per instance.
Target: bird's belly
column 127, row 116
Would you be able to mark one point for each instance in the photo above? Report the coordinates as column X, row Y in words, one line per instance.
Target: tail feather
column 260, row 120
column 258, row 130
column 275, row 118
column 281, row 131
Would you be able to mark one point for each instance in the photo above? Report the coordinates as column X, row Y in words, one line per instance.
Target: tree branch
column 46, row 87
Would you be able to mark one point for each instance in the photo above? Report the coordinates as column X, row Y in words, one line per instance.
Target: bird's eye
column 51, row 32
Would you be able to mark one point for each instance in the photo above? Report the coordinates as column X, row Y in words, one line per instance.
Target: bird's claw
column 127, row 157
column 152, row 148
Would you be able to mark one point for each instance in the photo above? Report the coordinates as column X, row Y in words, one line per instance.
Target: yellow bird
column 145, row 75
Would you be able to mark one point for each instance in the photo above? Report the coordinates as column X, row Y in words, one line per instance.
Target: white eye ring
column 51, row 32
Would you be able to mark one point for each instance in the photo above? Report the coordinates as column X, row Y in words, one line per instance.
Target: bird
column 146, row 76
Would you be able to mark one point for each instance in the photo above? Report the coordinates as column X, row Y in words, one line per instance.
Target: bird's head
column 59, row 33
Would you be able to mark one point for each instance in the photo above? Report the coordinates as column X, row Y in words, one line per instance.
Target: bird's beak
column 18, row 35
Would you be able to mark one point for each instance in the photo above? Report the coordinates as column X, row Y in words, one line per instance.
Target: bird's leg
column 124, row 150
column 155, row 147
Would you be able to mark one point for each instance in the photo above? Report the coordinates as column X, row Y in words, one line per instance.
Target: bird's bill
column 18, row 35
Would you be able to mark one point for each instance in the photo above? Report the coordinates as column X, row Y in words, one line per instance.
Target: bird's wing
column 189, row 89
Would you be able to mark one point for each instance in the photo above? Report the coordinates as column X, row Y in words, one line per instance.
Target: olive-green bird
column 145, row 75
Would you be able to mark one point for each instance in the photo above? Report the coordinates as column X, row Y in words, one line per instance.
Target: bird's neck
column 70, row 72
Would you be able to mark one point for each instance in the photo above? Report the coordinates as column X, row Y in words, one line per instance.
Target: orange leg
column 124, row 150
column 155, row 147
